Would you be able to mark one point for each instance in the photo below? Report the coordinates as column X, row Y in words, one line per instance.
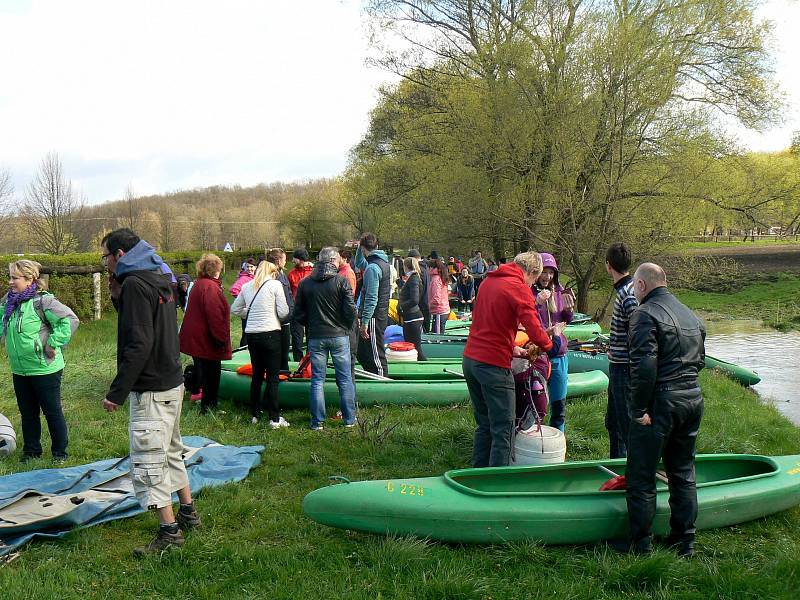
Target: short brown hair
column 369, row 241
column 208, row 265
column 275, row 254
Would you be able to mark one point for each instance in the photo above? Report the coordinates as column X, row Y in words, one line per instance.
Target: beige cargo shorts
column 157, row 467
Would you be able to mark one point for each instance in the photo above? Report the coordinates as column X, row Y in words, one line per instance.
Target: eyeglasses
column 105, row 256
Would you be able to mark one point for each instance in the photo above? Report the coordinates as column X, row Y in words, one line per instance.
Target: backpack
column 38, row 308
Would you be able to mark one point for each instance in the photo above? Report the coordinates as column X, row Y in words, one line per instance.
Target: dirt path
column 761, row 258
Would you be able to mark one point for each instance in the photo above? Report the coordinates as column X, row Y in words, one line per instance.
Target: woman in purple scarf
column 35, row 328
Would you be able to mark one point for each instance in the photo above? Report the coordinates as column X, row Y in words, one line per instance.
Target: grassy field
column 736, row 243
column 775, row 302
column 258, row 544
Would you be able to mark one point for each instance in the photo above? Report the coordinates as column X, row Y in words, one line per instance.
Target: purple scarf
column 13, row 301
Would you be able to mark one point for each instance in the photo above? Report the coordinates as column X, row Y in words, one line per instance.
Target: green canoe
column 579, row 331
column 552, row 504
column 412, row 386
column 580, row 362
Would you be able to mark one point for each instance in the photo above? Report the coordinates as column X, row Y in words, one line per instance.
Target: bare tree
column 50, row 208
column 131, row 217
column 6, row 193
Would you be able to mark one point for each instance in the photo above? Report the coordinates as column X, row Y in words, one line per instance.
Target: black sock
column 169, row 527
column 187, row 508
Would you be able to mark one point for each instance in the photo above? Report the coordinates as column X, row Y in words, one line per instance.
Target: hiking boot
column 164, row 540
column 643, row 546
column 59, row 459
column 682, row 546
column 189, row 520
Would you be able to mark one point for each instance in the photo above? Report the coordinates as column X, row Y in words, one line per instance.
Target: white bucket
column 8, row 438
column 401, row 355
column 539, row 445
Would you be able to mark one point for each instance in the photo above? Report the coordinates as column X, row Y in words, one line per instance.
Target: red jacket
column 297, row 274
column 504, row 301
column 206, row 329
column 347, row 272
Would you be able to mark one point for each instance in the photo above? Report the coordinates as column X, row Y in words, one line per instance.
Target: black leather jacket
column 324, row 303
column 667, row 350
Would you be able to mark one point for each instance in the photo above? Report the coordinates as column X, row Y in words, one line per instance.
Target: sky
column 172, row 95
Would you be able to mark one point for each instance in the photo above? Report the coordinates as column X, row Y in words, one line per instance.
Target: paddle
column 373, row 376
column 456, row 373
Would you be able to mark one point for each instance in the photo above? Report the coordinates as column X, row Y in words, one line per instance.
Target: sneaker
column 164, row 540
column 188, row 521
column 59, row 459
column 254, row 420
column 316, row 427
column 350, row 425
column 682, row 546
column 281, row 422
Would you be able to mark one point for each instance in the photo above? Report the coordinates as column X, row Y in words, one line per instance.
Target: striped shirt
column 624, row 305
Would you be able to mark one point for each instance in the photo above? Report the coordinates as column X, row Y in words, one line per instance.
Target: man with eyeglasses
column 150, row 378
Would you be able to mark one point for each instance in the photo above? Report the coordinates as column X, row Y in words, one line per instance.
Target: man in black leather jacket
column 324, row 305
column 667, row 351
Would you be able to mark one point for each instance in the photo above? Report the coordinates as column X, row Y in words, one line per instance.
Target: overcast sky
column 167, row 95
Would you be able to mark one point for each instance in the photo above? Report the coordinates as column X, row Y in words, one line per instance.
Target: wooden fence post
column 97, row 300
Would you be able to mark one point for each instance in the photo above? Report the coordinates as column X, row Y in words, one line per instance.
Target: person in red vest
column 506, row 302
column 302, row 269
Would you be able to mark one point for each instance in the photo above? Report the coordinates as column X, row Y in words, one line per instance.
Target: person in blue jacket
column 373, row 311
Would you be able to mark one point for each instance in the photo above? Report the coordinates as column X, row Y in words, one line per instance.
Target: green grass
column 258, row 544
column 736, row 243
column 776, row 302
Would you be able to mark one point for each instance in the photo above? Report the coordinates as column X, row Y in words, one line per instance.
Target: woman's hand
column 543, row 296
column 569, row 301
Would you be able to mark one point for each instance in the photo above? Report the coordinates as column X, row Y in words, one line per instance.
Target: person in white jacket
column 263, row 304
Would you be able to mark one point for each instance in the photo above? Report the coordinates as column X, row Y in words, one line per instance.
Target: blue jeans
column 339, row 349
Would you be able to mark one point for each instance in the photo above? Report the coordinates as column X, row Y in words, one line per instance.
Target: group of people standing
column 656, row 351
column 654, row 403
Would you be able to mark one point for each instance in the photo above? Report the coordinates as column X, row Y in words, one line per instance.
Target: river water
column 775, row 356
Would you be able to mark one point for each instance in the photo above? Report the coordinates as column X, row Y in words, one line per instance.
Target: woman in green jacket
column 35, row 328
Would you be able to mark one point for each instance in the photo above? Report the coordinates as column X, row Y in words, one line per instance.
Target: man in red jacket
column 302, row 269
column 506, row 302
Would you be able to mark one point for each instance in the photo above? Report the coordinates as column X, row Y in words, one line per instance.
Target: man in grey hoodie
column 373, row 316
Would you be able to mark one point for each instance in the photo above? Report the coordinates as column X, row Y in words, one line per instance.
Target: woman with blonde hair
column 263, row 304
column 206, row 331
column 35, row 328
column 409, row 302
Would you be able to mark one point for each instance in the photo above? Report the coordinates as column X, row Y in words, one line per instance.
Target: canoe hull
column 436, row 508
column 412, row 391
column 579, row 362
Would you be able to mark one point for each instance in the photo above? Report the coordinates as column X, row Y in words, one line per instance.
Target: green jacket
column 29, row 340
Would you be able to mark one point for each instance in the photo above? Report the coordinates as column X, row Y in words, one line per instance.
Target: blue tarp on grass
column 212, row 465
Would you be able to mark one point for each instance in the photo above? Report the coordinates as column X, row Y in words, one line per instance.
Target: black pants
column 412, row 332
column 673, row 433
column 243, row 339
column 491, row 390
column 207, row 375
column 371, row 353
column 38, row 394
column 265, row 356
column 298, row 333
column 618, row 416
column 426, row 319
column 286, row 339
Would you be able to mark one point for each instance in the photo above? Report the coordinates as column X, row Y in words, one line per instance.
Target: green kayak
column 580, row 362
column 578, row 331
column 552, row 504
column 414, row 383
